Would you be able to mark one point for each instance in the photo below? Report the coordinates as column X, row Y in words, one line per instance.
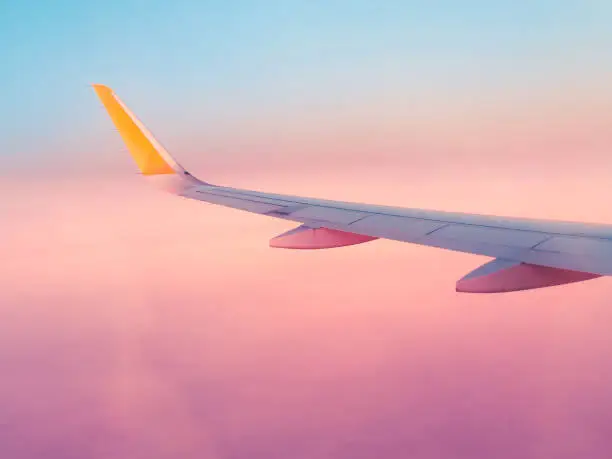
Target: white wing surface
column 528, row 253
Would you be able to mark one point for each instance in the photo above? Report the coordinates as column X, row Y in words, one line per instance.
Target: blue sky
column 229, row 60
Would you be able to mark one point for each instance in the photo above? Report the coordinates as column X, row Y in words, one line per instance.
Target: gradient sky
column 136, row 324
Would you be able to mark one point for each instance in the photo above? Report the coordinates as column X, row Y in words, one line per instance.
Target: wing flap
column 577, row 246
column 243, row 204
column 398, row 228
column 319, row 213
column 496, row 236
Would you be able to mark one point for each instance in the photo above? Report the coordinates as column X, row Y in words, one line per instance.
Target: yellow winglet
column 149, row 155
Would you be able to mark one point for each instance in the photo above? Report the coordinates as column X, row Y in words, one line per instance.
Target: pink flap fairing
column 305, row 237
column 509, row 276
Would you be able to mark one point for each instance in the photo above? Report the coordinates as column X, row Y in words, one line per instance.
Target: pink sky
column 137, row 324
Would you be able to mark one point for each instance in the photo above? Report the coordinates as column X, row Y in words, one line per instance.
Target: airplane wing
column 527, row 253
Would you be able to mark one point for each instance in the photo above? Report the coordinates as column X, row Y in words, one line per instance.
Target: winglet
column 151, row 158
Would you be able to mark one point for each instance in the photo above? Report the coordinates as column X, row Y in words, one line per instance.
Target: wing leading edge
column 528, row 253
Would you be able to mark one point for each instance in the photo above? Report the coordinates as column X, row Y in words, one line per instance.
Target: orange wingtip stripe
column 147, row 158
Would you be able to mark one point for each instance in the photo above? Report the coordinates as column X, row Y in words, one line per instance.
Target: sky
column 136, row 324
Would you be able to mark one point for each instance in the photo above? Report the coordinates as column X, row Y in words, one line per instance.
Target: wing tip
column 101, row 88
